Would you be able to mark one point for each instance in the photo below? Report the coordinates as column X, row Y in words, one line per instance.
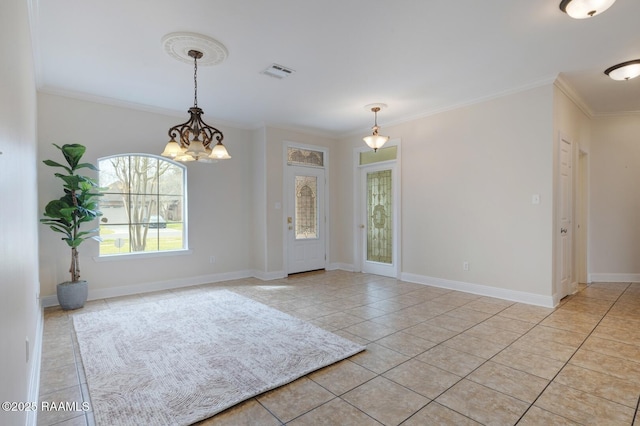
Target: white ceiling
column 417, row 56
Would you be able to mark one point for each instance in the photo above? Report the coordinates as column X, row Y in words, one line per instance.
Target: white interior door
column 379, row 219
column 565, row 215
column 306, row 222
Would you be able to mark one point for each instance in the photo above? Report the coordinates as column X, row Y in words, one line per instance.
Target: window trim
column 141, row 255
column 147, row 254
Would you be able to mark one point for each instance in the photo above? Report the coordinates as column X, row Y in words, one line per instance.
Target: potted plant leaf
column 67, row 215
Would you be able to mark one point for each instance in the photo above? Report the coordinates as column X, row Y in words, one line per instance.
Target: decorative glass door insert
column 379, row 217
column 306, row 207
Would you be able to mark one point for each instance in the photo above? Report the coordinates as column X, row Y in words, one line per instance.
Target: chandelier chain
column 195, row 81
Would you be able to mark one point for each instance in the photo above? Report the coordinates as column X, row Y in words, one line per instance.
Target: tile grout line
column 357, row 285
column 572, row 355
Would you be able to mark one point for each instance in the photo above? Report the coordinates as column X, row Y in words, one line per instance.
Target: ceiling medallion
column 177, row 45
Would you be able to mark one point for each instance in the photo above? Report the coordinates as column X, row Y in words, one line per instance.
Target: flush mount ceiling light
column 194, row 139
column 581, row 9
column 624, row 71
column 375, row 141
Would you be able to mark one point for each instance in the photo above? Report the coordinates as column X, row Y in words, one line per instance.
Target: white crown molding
column 306, row 131
column 471, row 101
column 133, row 106
column 565, row 88
column 34, row 28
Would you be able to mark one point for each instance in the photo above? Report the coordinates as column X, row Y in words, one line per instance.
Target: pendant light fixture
column 581, row 9
column 624, row 71
column 375, row 141
column 194, row 140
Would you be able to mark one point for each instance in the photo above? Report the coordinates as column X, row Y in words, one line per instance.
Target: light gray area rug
column 177, row 361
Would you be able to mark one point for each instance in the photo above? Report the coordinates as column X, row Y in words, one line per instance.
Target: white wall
column 615, row 199
column 20, row 313
column 219, row 199
column 468, row 176
column 259, row 210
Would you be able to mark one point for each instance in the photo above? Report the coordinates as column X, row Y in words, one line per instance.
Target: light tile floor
column 434, row 356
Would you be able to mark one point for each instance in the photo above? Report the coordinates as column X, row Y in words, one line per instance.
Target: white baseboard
column 36, row 364
column 268, row 276
column 500, row 293
column 614, row 278
column 483, row 290
column 340, row 266
column 154, row 286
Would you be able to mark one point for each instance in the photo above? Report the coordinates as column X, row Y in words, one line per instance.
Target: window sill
column 143, row 255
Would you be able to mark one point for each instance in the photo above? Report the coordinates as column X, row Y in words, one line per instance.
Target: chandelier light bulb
column 172, row 149
column 219, row 152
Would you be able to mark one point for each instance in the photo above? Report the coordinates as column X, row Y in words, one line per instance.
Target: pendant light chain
column 195, row 81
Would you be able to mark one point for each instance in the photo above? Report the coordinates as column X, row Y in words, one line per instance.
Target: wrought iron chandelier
column 194, row 139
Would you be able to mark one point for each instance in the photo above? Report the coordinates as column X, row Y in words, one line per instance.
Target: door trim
column 559, row 290
column 358, row 192
column 582, row 217
column 285, row 201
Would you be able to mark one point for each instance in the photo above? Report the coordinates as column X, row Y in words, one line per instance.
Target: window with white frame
column 143, row 206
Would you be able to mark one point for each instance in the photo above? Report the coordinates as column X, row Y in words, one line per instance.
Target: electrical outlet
column 212, row 259
column 465, row 266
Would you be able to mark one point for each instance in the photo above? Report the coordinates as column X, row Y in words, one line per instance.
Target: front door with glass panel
column 305, row 219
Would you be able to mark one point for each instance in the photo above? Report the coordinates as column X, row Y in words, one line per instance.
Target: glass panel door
column 306, row 207
column 379, row 217
column 305, row 219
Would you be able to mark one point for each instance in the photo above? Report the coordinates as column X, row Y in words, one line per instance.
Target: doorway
column 565, row 229
column 377, row 211
column 582, row 218
column 306, row 223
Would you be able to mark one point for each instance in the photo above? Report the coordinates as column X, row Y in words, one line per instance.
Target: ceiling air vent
column 278, row 71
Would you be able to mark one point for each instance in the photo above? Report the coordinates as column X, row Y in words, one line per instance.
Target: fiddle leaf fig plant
column 77, row 206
